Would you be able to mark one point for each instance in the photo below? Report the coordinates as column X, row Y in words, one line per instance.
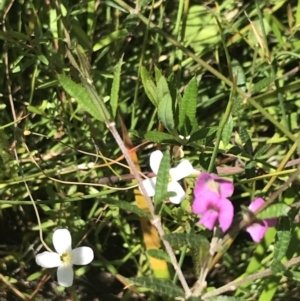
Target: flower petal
column 82, row 255
column 212, row 182
column 155, row 159
column 48, row 259
column 209, row 219
column 182, row 170
column 257, row 231
column 149, row 185
column 271, row 222
column 226, row 212
column 65, row 275
column 62, row 241
column 256, row 204
column 180, row 193
column 203, row 201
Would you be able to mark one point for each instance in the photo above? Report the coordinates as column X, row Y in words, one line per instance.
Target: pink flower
column 213, row 207
column 259, row 228
column 211, row 182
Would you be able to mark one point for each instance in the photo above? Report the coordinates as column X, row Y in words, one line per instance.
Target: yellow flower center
column 213, row 185
column 66, row 257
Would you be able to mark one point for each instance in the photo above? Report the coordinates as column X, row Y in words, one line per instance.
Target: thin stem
column 231, row 286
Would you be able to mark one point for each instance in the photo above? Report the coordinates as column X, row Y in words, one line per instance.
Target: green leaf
column 183, row 239
column 162, row 286
column 246, row 140
column 295, row 275
column 262, row 150
column 203, row 133
column 238, row 74
column 149, row 86
column 158, row 74
column 227, row 131
column 111, row 38
column 188, row 105
column 114, row 94
column 250, row 169
column 80, row 94
column 274, row 210
column 159, row 254
column 126, row 206
column 165, row 112
column 154, row 136
column 162, row 180
column 277, row 267
column 283, row 238
column 162, row 89
column 225, row 298
column 262, row 84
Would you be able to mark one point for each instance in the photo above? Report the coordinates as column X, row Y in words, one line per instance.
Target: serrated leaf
column 149, row 86
column 245, row 137
column 250, row 169
column 165, row 112
column 154, row 136
column 183, row 239
column 203, row 133
column 238, row 74
column 277, row 267
column 262, row 84
column 283, row 238
column 162, row 180
column 162, row 89
column 80, row 94
column 227, row 131
column 157, row 73
column 274, row 210
column 188, row 105
column 225, row 298
column 262, row 150
column 159, row 254
column 162, row 286
column 126, row 206
column 114, row 94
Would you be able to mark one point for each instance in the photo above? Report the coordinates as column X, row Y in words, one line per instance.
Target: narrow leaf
column 114, row 94
column 227, row 131
column 283, row 238
column 183, row 239
column 162, row 89
column 238, row 74
column 162, row 180
column 80, row 94
column 159, row 254
column 149, row 86
column 154, row 136
column 162, row 286
column 274, row 210
column 245, row 137
column 126, row 206
column 262, row 84
column 165, row 112
column 188, row 104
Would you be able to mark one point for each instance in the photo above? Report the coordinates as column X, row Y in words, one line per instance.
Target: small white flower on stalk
column 182, row 170
column 65, row 257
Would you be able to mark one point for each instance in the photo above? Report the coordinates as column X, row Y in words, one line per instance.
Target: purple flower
column 211, row 182
column 213, row 207
column 258, row 229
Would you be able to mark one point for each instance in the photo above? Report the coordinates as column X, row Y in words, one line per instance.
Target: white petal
column 182, row 170
column 180, row 193
column 65, row 275
column 155, row 159
column 82, row 255
column 149, row 185
column 48, row 259
column 62, row 241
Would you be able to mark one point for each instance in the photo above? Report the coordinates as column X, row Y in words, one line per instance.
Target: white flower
column 183, row 169
column 65, row 257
